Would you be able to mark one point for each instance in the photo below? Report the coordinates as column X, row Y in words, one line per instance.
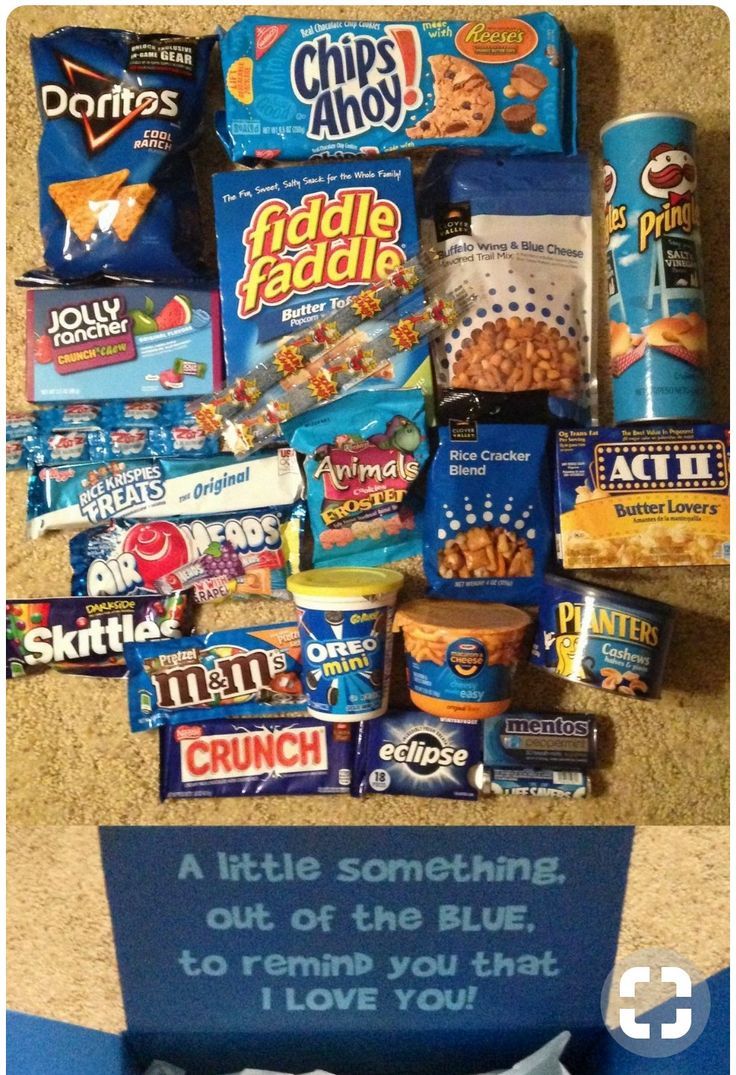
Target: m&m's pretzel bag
column 119, row 111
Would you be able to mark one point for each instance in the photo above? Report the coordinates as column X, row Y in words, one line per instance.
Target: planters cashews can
column 602, row 638
column 659, row 338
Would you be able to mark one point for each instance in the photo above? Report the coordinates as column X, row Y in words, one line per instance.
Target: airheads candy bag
column 130, row 556
column 364, row 454
column 222, row 674
column 119, row 111
column 488, row 520
column 294, row 755
column 74, row 495
column 86, row 636
column 299, row 88
column 414, row 754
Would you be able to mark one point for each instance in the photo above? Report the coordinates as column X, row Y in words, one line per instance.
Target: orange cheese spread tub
column 460, row 655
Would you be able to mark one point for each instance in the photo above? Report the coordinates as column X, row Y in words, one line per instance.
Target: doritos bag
column 120, row 111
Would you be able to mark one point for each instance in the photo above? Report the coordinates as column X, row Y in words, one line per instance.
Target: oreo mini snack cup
column 345, row 619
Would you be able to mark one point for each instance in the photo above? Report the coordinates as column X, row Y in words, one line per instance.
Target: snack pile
column 369, row 378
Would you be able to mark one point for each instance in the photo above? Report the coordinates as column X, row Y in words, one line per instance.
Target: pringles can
column 659, row 335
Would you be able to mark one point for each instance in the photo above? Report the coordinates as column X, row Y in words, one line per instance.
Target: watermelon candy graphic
column 176, row 312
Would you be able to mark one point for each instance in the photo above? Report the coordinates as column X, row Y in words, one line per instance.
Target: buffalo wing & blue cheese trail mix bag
column 517, row 230
column 119, row 112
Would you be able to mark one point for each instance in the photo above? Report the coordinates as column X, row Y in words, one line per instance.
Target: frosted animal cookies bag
column 517, row 230
column 364, row 455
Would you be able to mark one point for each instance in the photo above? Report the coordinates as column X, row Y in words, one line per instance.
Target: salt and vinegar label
column 658, row 329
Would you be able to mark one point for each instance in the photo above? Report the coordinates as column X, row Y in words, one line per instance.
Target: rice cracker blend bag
column 119, row 112
column 488, row 521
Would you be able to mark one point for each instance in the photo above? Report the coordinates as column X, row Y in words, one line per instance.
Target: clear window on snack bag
column 517, row 230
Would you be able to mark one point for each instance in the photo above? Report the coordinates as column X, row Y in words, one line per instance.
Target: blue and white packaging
column 295, row 243
column 221, row 674
column 654, row 269
column 119, row 111
column 518, row 232
column 413, row 753
column 298, row 88
column 84, row 494
column 488, row 516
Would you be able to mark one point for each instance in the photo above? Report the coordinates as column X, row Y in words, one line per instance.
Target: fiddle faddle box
column 296, row 244
column 367, row 951
column 121, row 342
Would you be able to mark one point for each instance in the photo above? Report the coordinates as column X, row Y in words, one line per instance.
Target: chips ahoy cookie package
column 295, row 244
column 298, row 88
column 119, row 112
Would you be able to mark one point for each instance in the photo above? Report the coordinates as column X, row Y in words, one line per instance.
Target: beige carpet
column 61, row 962
column 71, row 759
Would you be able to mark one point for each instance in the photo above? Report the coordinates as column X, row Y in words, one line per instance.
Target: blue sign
column 286, row 942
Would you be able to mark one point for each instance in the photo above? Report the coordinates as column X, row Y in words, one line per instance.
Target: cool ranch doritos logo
column 339, row 241
column 103, row 106
column 357, row 82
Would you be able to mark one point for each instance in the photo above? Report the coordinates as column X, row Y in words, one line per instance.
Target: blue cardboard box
column 294, row 244
column 207, row 920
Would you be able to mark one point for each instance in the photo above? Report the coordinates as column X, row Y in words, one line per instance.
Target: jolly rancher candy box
column 643, row 497
column 299, row 88
column 295, row 244
column 121, row 343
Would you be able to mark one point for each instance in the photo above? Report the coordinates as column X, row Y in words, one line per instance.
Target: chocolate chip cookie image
column 464, row 102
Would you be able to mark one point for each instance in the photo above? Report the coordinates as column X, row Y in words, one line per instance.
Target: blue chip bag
column 221, row 674
column 119, row 111
column 364, row 454
column 488, row 522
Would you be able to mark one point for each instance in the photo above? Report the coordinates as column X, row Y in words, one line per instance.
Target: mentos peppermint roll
column 659, row 336
column 345, row 622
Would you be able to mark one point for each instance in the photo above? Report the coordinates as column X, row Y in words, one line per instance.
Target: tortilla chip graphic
column 134, row 201
column 75, row 198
